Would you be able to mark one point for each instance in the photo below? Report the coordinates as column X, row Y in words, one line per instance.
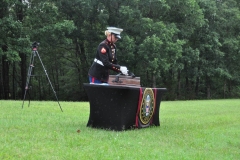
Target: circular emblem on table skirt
column 147, row 106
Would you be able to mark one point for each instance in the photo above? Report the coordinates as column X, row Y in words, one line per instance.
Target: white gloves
column 124, row 70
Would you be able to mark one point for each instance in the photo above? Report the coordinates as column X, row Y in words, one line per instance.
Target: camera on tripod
column 35, row 44
column 29, row 74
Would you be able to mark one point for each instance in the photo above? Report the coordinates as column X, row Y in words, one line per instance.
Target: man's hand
column 124, row 70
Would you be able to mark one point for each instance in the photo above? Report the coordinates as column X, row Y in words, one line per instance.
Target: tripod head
column 35, row 44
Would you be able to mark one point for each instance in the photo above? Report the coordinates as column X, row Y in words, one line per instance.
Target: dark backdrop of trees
column 190, row 47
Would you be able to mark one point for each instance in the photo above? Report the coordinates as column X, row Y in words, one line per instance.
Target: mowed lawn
column 190, row 130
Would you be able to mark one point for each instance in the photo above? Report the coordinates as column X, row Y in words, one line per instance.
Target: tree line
column 190, row 47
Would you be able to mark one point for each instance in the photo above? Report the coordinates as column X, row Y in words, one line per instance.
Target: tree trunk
column 5, row 69
column 197, row 86
column 19, row 10
column 179, row 84
column 186, row 87
column 208, row 86
column 224, row 89
column 208, row 92
column 23, row 72
column 154, row 81
column 13, row 82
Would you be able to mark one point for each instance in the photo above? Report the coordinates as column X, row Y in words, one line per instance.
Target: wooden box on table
column 124, row 80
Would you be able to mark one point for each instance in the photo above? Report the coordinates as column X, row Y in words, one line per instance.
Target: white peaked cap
column 115, row 31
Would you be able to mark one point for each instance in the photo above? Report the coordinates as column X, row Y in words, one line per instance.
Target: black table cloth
column 123, row 107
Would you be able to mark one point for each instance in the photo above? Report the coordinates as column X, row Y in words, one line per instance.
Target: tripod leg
column 30, row 68
column 49, row 80
column 29, row 98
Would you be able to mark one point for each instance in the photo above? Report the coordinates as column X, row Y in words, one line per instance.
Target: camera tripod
column 29, row 74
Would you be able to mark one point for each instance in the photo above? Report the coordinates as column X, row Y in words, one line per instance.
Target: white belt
column 99, row 62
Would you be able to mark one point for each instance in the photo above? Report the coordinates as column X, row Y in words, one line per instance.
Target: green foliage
column 13, row 36
column 149, row 51
column 189, row 46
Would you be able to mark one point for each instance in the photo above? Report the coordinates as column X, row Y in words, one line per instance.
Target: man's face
column 114, row 38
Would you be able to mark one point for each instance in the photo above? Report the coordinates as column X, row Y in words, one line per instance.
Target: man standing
column 106, row 58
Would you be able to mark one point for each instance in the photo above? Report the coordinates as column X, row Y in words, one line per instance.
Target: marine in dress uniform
column 106, row 58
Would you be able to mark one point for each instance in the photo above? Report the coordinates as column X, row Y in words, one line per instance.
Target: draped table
column 122, row 107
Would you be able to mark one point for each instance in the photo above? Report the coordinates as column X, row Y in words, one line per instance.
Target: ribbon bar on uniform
column 99, row 62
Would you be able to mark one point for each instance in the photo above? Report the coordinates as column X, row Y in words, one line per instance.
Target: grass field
column 199, row 130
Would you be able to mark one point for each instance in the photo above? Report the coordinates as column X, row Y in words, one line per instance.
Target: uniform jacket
column 106, row 53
